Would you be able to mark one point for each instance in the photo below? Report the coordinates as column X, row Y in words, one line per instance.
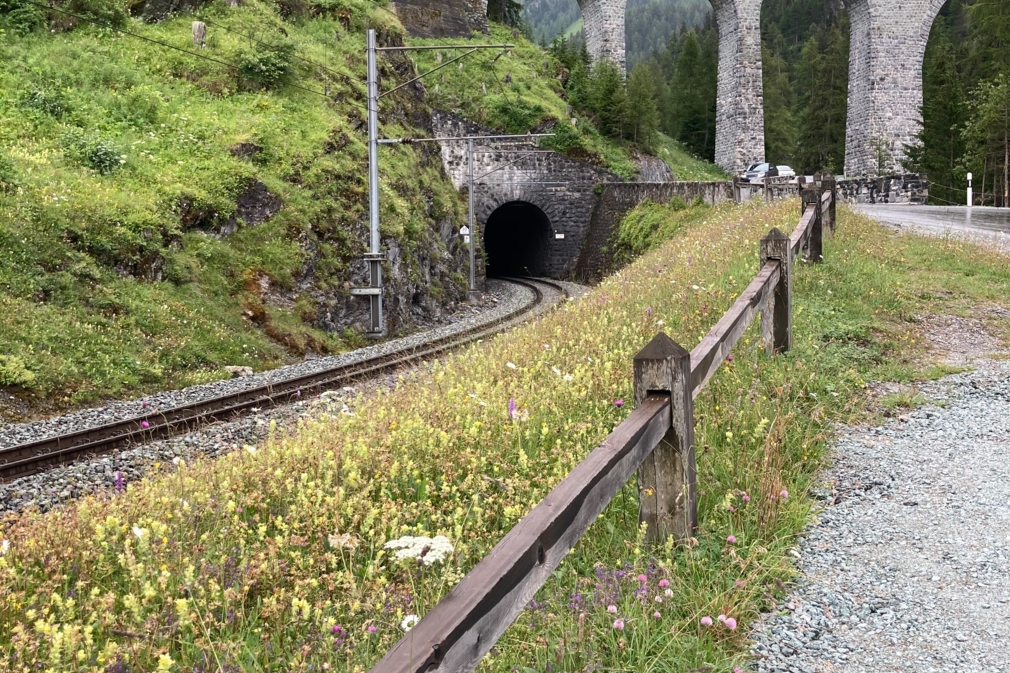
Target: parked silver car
column 758, row 172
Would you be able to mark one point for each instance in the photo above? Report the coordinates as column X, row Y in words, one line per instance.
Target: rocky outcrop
column 652, row 169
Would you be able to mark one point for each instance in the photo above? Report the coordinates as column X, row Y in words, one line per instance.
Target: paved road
column 939, row 220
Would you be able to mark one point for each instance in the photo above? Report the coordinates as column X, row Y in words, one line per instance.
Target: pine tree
column 987, row 134
column 608, row 99
column 989, row 22
column 643, row 113
column 692, row 121
column 939, row 151
column 822, row 84
column 780, row 131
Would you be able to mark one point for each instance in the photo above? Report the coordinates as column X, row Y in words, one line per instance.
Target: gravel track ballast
column 49, row 489
column 508, row 297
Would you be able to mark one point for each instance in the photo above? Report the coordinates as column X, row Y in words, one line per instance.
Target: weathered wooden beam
column 456, row 634
column 667, row 479
column 798, row 239
column 776, row 318
column 813, row 250
column 710, row 353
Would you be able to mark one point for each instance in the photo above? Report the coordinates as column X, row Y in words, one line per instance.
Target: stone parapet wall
column 909, row 188
column 614, row 201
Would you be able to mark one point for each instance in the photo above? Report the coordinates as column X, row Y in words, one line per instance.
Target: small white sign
column 559, row 235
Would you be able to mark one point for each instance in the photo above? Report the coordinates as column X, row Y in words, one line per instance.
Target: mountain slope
column 165, row 214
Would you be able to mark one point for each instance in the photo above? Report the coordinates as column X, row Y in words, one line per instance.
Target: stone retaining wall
column 614, row 201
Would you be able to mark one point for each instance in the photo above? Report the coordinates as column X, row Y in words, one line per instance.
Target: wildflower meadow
column 323, row 547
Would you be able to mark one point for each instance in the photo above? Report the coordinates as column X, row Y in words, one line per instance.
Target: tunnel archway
column 516, row 238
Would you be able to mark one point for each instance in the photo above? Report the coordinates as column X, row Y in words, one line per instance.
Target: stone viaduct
column 888, row 43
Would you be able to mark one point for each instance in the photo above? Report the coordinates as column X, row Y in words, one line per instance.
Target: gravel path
column 53, row 487
column 504, row 298
column 906, row 568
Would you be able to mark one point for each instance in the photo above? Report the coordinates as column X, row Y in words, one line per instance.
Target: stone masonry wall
column 561, row 187
column 740, row 125
column 911, row 189
column 615, row 200
column 887, row 47
column 442, row 18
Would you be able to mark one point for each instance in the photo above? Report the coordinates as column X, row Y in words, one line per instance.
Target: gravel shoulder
column 905, row 568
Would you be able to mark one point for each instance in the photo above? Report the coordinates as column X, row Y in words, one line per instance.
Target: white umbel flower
column 5, row 547
column 139, row 532
column 427, row 550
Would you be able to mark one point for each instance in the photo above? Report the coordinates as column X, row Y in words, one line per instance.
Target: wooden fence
column 656, row 441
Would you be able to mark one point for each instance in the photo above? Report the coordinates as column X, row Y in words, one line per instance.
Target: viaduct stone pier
column 740, row 119
column 603, row 22
column 888, row 45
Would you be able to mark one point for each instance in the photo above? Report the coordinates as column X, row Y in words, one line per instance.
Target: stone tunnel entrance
column 515, row 240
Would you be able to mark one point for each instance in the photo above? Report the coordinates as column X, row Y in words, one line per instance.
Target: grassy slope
column 531, row 101
column 105, row 287
column 209, row 575
column 76, row 306
column 685, row 165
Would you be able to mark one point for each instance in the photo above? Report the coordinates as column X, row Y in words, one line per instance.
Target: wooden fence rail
column 656, row 441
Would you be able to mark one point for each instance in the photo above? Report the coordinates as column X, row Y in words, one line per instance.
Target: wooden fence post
column 667, row 479
column 199, row 33
column 829, row 185
column 815, row 242
column 777, row 319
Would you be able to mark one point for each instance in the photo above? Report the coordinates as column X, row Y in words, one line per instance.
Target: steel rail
column 32, row 457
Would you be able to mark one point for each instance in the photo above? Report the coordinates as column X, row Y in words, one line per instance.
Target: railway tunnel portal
column 516, row 240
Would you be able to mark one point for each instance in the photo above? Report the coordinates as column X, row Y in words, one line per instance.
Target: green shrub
column 21, row 17
column 565, row 138
column 13, row 372
column 267, row 68
column 8, row 176
column 46, row 101
column 92, row 151
column 678, row 204
column 515, row 115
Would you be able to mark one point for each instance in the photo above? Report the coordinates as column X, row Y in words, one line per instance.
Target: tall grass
column 274, row 558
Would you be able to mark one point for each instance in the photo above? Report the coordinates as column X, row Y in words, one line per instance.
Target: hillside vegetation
column 163, row 215
column 275, row 559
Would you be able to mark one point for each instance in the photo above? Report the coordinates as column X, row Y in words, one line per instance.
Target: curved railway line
column 36, row 456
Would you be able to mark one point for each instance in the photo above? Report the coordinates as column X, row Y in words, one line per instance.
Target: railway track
column 36, row 456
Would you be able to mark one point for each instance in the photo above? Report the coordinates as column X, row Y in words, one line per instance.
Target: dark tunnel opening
column 515, row 240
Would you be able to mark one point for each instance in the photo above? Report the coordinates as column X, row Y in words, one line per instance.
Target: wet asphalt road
column 941, row 219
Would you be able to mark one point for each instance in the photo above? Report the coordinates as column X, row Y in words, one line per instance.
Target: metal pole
column 473, row 229
column 374, row 261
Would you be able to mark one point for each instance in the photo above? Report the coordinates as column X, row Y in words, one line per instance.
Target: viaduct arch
column 888, row 45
